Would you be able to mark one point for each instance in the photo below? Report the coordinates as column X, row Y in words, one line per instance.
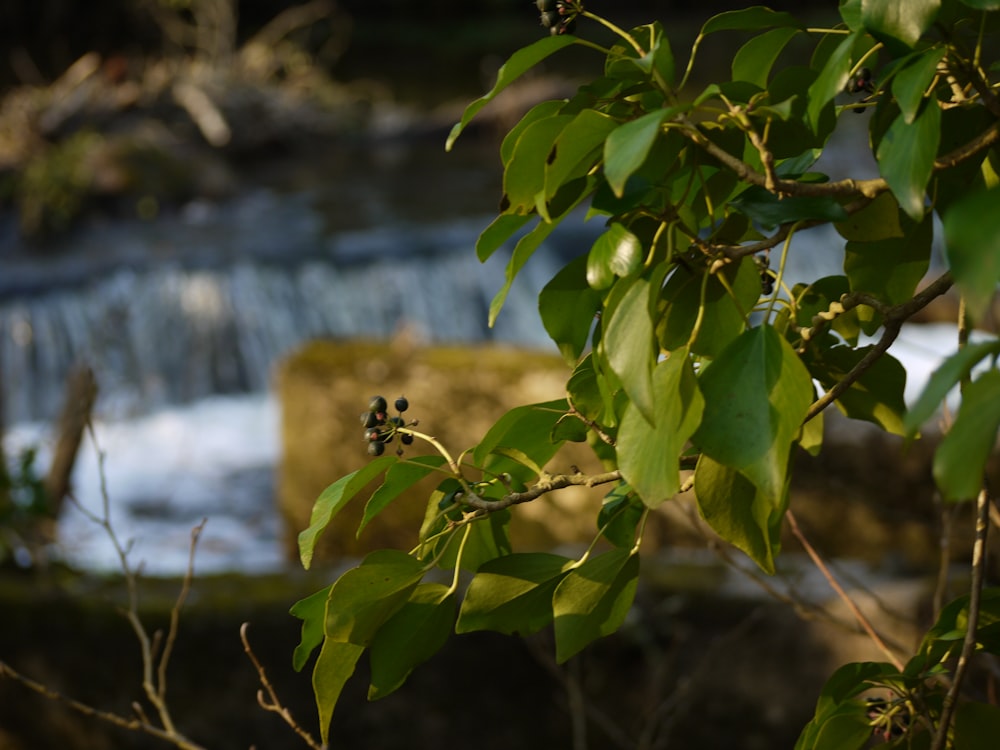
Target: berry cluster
column 559, row 16
column 380, row 428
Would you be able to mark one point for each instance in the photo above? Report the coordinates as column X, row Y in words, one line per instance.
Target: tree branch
column 975, row 598
column 894, row 317
column 272, row 703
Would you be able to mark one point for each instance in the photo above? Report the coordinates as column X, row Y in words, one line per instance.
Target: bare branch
column 975, row 598
column 273, row 703
column 835, row 585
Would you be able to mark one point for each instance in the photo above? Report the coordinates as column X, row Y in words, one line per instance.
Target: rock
column 456, row 393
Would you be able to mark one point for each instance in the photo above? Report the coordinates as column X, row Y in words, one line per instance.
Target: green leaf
column 977, row 726
column 332, row 499
column 620, row 514
column 501, row 229
column 363, row 598
column 540, row 111
column 748, row 19
column 890, row 269
column 723, row 317
column 628, row 343
column 576, row 149
column 593, row 599
column 523, row 250
column 400, row 477
column 848, row 728
column 879, row 220
column 627, row 147
column 876, row 396
column 568, row 305
column 583, row 391
column 906, row 156
column 526, row 428
column 525, row 176
column 902, row 21
column 512, row 594
column 488, row 539
column 312, row 612
column 768, row 210
column 333, row 668
column 755, row 59
column 739, row 512
column 648, row 454
column 410, row 637
column 910, row 83
column 617, row 252
column 830, row 81
column 972, row 241
column 943, row 380
column 757, row 393
column 961, row 458
column 518, row 64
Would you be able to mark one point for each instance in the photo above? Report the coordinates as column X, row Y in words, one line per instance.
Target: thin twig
column 273, row 703
column 835, row 585
column 975, row 598
column 138, row 725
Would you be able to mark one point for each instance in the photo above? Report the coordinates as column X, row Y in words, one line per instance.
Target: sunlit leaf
column 961, row 458
column 399, row 478
column 648, row 454
column 312, row 612
column 831, row 80
column 972, row 241
column 627, row 147
column 410, row 637
column 364, row 597
column 629, row 345
column 749, row 19
column 512, row 594
column 518, row 64
column 333, row 668
column 906, row 156
column 944, row 379
column 617, row 252
column 593, row 599
column 567, row 305
column 755, row 59
column 738, row 511
column 910, row 83
column 576, row 149
column 757, row 393
column 902, row 21
column 332, row 499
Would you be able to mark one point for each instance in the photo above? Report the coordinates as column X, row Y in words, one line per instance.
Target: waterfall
column 171, row 332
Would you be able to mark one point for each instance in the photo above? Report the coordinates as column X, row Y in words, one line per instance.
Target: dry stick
column 858, row 614
column 274, row 704
column 975, row 598
column 112, row 718
column 803, row 608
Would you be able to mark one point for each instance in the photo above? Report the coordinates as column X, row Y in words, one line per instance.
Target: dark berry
column 376, row 449
column 369, row 419
column 377, row 404
column 406, row 439
column 397, row 421
column 402, row 404
column 372, row 435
